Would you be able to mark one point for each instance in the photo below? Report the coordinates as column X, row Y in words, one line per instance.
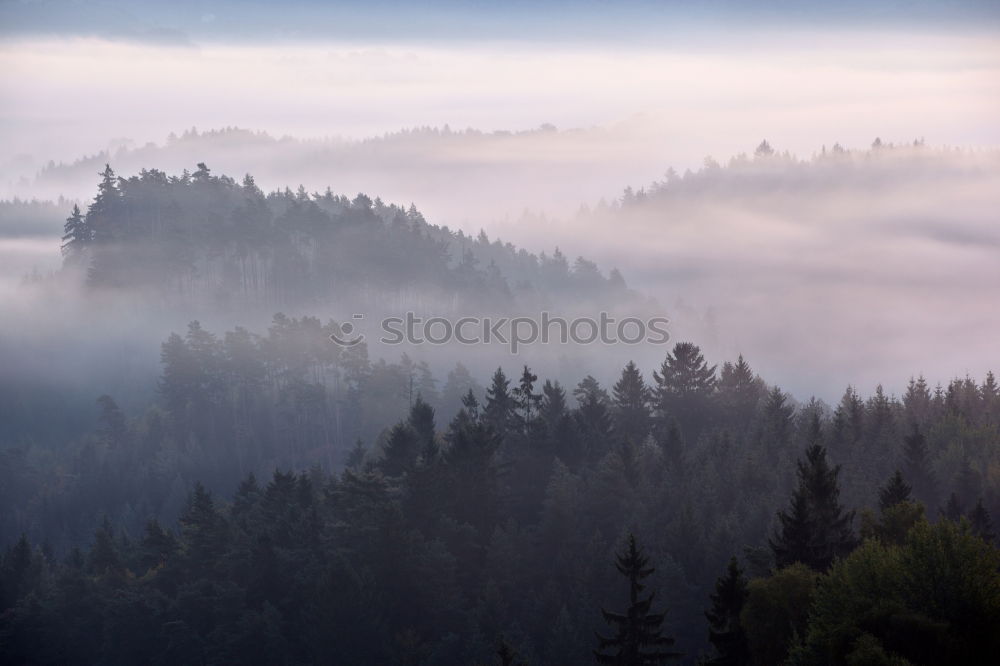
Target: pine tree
column 356, row 458
column 77, row 236
column 848, row 421
column 953, row 510
column 917, row 401
column 683, row 389
column 631, row 406
column 739, row 392
column 157, row 545
column 104, row 557
column 917, row 467
column 500, row 404
column 421, row 420
column 111, row 424
column 593, row 417
column 204, row 532
column 526, row 400
column 982, row 525
column 638, row 638
column 776, row 422
column 561, row 434
column 991, row 398
column 106, row 227
column 816, row 530
column 401, row 451
column 894, row 492
column 725, row 632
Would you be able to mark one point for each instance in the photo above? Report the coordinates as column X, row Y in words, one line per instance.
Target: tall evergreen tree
column 776, row 423
column 982, row 524
column 725, row 632
column 739, row 392
column 894, row 492
column 500, row 405
column 953, row 509
column 204, row 532
column 421, row 420
column 526, row 400
column 917, row 467
column 77, row 236
column 593, row 417
column 111, row 425
column 816, row 529
column 402, row 448
column 631, row 406
column 638, row 639
column 683, row 388
column 104, row 556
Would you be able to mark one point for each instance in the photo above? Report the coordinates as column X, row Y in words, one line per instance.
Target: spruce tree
column 203, row 532
column 953, row 510
column 776, row 423
column 638, row 639
column 894, row 492
column 77, row 236
column 157, row 545
column 725, row 632
column 739, row 392
column 356, row 457
column 500, row 405
column 526, row 400
column 593, row 416
column 104, row 557
column 917, row 467
column 401, row 451
column 683, row 388
column 982, row 525
column 631, row 406
column 421, row 420
column 816, row 529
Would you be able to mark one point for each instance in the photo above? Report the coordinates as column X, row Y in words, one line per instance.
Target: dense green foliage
column 430, row 542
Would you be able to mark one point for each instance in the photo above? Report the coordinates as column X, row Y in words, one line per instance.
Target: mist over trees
column 267, row 507
column 268, row 496
column 499, row 334
column 202, row 234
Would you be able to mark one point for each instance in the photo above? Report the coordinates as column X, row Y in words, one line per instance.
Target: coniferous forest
column 499, row 334
column 264, row 510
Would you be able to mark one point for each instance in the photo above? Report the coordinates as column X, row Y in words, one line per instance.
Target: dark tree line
column 424, row 543
column 198, row 233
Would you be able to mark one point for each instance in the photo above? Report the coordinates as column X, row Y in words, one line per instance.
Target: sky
column 77, row 77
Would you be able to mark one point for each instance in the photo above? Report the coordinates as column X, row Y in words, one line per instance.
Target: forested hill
column 200, row 234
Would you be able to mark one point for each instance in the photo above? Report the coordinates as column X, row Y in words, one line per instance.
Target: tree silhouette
column 816, row 529
column 638, row 638
column 725, row 632
column 631, row 405
column 895, row 491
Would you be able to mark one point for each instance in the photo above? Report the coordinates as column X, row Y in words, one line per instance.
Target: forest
column 264, row 511
column 196, row 233
column 268, row 496
column 499, row 334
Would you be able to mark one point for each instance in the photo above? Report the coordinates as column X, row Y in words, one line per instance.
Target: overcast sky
column 75, row 76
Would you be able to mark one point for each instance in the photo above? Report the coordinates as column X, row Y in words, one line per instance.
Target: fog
column 859, row 268
column 312, row 320
column 659, row 104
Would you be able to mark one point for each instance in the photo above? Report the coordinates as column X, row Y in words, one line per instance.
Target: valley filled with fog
column 520, row 334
